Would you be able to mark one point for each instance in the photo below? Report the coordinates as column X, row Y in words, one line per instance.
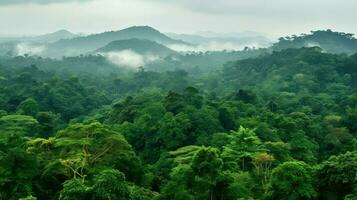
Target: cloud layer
column 29, row 49
column 276, row 17
column 13, row 2
column 128, row 58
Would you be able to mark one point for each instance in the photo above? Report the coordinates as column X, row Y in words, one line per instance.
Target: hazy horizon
column 274, row 18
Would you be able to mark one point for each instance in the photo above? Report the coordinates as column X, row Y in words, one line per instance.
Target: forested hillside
column 328, row 40
column 178, row 100
column 139, row 46
column 84, row 44
column 278, row 126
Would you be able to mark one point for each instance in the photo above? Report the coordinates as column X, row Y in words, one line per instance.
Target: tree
column 206, row 166
column 110, row 184
column 280, row 151
column 242, row 186
column 140, row 193
column 19, row 124
column 173, row 131
column 246, row 96
column 292, row 181
column 192, row 97
column 303, row 148
column 338, row 140
column 78, row 151
column 17, row 166
column 48, row 122
column 351, row 118
column 204, row 123
column 174, row 102
column 28, row 198
column 226, row 119
column 28, row 107
column 178, row 187
column 241, row 148
column 198, row 175
column 337, row 175
column 100, row 146
column 263, row 163
column 74, row 189
column 185, row 155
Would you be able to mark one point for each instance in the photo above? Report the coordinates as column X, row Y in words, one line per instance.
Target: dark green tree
column 292, row 181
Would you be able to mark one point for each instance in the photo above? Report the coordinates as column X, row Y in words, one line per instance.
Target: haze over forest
column 275, row 18
column 173, row 100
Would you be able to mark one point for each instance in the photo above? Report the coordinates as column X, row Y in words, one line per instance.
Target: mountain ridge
column 140, row 46
column 328, row 40
column 92, row 42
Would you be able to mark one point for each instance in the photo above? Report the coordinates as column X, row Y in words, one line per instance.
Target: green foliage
column 28, row 198
column 140, row 46
column 28, row 107
column 176, row 188
column 292, row 180
column 19, row 124
column 18, row 168
column 280, row 151
column 185, row 155
column 73, row 189
column 110, row 184
column 139, row 193
column 338, row 175
column 241, row 148
column 206, row 166
column 333, row 42
column 182, row 127
column 82, row 148
column 242, row 186
column 49, row 122
column 173, row 130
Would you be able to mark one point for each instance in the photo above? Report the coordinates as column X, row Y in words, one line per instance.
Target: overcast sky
column 274, row 17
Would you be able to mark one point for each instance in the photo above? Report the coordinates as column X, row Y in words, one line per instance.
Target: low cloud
column 276, row 17
column 29, row 49
column 312, row 44
column 213, row 46
column 129, row 58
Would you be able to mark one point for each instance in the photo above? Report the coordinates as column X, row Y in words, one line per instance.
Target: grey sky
column 275, row 17
column 12, row 2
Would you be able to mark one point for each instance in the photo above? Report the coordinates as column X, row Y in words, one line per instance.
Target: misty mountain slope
column 81, row 65
column 139, row 46
column 200, row 62
column 45, row 38
column 85, row 44
column 7, row 48
column 55, row 36
column 34, row 45
column 329, row 41
column 223, row 42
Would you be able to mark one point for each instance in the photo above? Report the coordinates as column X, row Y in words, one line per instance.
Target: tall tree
column 292, row 181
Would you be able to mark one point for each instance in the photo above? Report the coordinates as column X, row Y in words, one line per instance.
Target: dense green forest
column 276, row 123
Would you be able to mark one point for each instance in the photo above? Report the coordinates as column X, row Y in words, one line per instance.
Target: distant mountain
column 53, row 37
column 64, row 43
column 89, row 43
column 327, row 40
column 140, row 46
column 34, row 45
column 45, row 38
